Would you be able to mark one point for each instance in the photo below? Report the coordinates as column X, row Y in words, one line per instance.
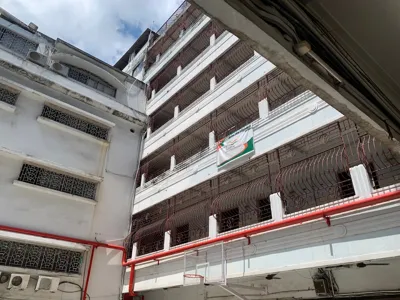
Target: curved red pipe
column 315, row 215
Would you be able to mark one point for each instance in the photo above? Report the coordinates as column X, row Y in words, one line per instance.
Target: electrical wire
column 70, row 292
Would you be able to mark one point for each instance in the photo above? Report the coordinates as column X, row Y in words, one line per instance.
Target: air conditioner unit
column 59, row 68
column 47, row 283
column 18, row 281
column 4, row 277
column 37, row 58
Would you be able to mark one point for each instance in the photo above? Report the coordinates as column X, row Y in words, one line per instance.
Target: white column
column 158, row 57
column 276, row 207
column 212, row 226
column 142, row 180
column 213, row 83
column 176, row 111
column 153, row 94
column 178, row 70
column 361, row 181
column 212, row 40
column 167, row 240
column 148, row 132
column 211, row 140
column 173, row 162
column 181, row 33
column 134, row 250
column 263, row 108
column 256, row 53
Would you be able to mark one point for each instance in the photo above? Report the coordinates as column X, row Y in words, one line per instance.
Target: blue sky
column 103, row 28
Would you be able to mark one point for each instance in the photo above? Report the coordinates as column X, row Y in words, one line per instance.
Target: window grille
column 91, row 80
column 264, row 210
column 75, row 122
column 56, row 181
column 16, row 42
column 22, row 255
column 8, row 96
column 229, row 220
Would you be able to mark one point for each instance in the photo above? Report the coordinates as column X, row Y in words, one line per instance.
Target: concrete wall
column 113, row 163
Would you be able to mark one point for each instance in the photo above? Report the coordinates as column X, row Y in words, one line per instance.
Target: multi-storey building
column 70, row 135
column 309, row 211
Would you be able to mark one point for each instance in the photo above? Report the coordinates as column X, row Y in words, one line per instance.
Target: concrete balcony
column 224, row 42
column 166, row 57
column 236, row 82
column 300, row 115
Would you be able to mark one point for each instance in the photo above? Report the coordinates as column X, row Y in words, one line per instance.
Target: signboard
column 235, row 146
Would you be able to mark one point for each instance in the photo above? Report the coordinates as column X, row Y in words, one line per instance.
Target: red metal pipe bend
column 319, row 214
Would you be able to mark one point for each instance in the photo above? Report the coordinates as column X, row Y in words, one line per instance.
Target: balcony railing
column 205, row 152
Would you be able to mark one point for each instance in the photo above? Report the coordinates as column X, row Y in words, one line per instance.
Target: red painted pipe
column 319, row 214
column 73, row 240
column 88, row 274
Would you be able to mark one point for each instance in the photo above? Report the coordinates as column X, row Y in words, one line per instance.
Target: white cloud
column 93, row 25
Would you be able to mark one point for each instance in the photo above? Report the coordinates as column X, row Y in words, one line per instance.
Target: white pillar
column 167, row 240
column 256, row 53
column 158, row 57
column 212, row 40
column 142, row 180
column 361, row 181
column 211, row 140
column 148, row 132
column 263, row 108
column 213, row 83
column 212, row 226
column 178, row 70
column 176, row 111
column 153, row 94
column 173, row 162
column 276, row 207
column 134, row 250
column 181, row 33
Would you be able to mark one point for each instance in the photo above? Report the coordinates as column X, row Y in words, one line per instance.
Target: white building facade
column 311, row 211
column 71, row 134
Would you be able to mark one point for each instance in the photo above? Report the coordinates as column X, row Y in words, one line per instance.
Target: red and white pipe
column 245, row 233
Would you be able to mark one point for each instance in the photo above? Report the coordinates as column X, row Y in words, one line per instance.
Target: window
column 91, row 80
column 182, row 234
column 151, row 243
column 75, row 122
column 264, row 207
column 22, row 255
column 8, row 96
column 16, row 42
column 346, row 188
column 56, row 181
column 229, row 220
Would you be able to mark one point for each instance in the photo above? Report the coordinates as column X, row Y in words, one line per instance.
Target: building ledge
column 73, row 131
column 58, row 194
column 7, row 107
column 51, row 165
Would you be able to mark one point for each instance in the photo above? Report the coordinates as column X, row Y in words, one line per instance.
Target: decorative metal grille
column 56, row 181
column 8, row 96
column 16, row 42
column 91, row 80
column 16, row 254
column 75, row 122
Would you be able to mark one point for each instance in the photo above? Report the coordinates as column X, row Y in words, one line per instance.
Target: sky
column 103, row 28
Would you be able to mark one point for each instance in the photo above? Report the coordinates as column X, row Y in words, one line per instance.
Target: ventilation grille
column 15, row 254
column 8, row 96
column 15, row 42
column 56, row 181
column 75, row 122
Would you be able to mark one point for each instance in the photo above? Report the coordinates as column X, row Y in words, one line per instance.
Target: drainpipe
column 246, row 233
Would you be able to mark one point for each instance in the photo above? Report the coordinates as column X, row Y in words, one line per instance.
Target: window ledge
column 7, row 107
column 53, row 192
column 73, row 131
